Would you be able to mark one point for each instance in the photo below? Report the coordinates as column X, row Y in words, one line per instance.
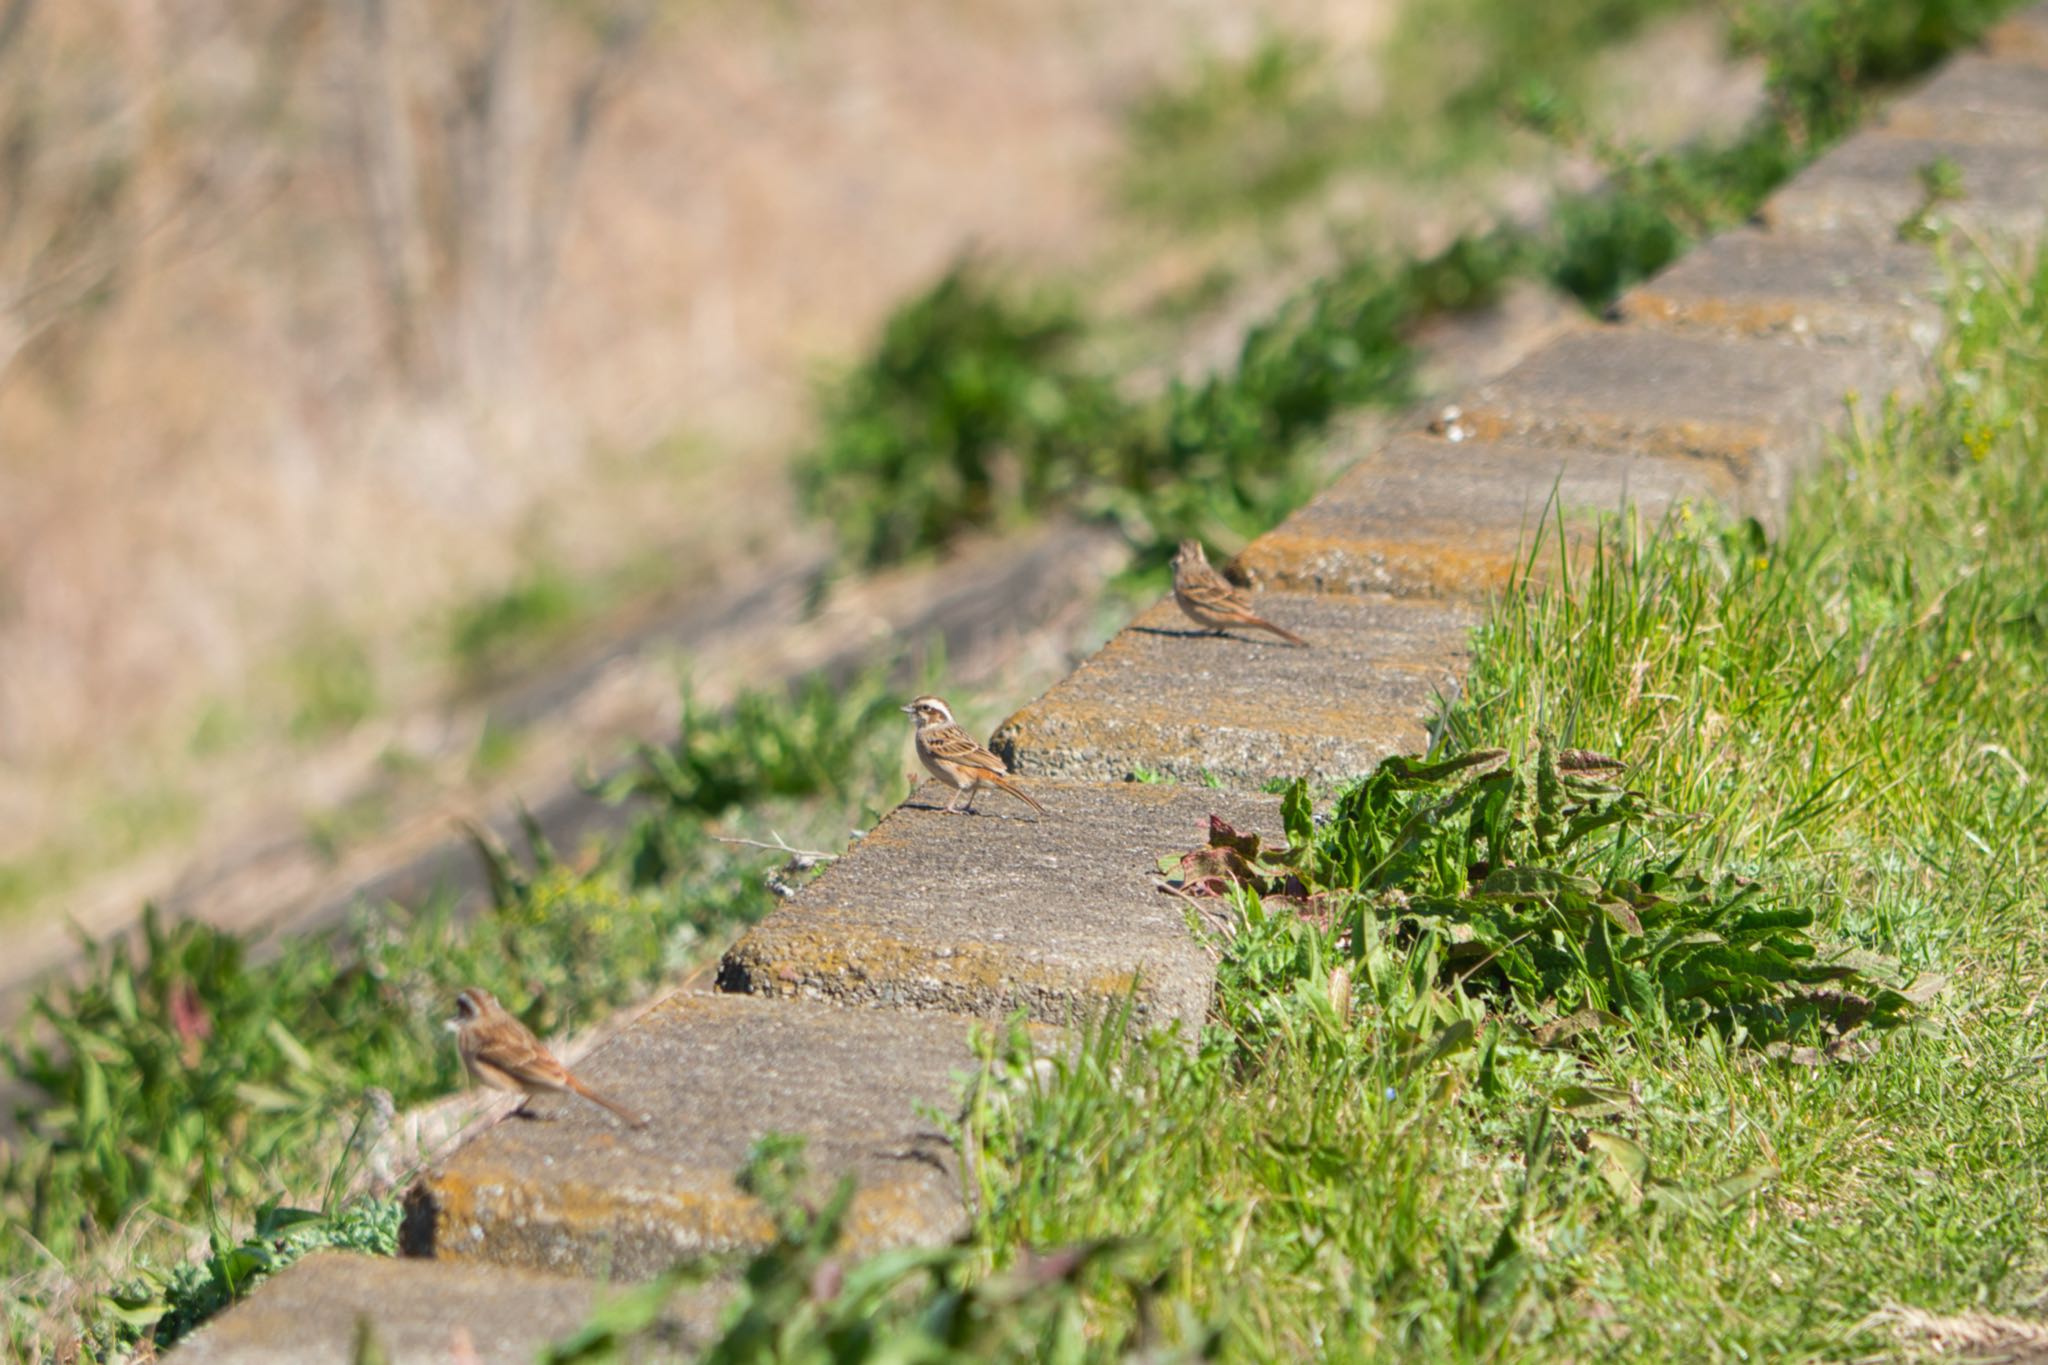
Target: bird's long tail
column 1013, row 789
column 632, row 1119
column 1283, row 632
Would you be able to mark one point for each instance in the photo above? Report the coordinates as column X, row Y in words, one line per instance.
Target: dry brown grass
column 209, row 447
column 1981, row 1338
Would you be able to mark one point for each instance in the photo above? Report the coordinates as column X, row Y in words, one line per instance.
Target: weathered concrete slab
column 1870, row 185
column 998, row 911
column 572, row 1190
column 419, row 1313
column 1761, row 408
column 2021, row 37
column 1809, row 289
column 1976, row 99
column 1429, row 517
column 1167, row 698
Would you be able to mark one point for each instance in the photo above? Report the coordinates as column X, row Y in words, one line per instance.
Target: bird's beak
column 452, row 1025
column 908, row 710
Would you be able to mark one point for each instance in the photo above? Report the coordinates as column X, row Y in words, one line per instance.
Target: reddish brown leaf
column 1223, row 834
column 189, row 1020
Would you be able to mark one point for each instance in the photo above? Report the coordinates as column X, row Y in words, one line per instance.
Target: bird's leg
column 953, row 801
column 973, row 791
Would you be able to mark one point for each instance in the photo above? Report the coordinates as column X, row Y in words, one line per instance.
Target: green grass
column 1240, row 139
column 490, row 636
column 190, row 1085
column 1383, row 1148
column 332, row 683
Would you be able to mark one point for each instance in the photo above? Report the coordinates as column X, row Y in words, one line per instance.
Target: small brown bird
column 950, row 754
column 1209, row 599
column 502, row 1053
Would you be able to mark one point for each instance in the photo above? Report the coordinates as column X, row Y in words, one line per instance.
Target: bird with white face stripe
column 950, row 754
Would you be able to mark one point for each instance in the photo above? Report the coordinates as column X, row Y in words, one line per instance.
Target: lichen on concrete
column 1761, row 408
column 570, row 1189
column 1426, row 516
column 422, row 1314
column 1810, row 290
column 1059, row 917
column 1168, row 698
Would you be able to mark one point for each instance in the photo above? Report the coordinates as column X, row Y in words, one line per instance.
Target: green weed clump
column 485, row 637
column 1549, row 883
column 168, row 1303
column 900, row 473
column 1249, row 138
column 1242, row 138
column 820, row 739
column 976, row 409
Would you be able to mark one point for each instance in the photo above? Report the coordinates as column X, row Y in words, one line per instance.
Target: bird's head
column 472, row 1005
column 930, row 710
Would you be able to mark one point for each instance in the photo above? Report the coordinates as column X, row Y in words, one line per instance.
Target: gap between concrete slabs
column 1059, row 916
column 573, row 1190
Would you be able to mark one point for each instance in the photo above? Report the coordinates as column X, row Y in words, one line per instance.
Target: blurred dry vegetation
column 330, row 328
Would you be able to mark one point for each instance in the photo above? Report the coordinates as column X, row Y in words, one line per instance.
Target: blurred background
column 363, row 360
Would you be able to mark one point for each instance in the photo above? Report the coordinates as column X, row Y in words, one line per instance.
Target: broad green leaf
column 1577, row 1022
column 1591, row 1101
column 1621, row 1163
column 1456, row 1037
column 134, row 1312
column 1623, row 917
column 1522, row 883
column 1297, row 817
column 294, row 1051
column 1743, row 1184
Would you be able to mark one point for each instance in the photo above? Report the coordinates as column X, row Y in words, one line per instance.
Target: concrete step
column 1976, row 99
column 2021, row 37
column 1813, row 290
column 1761, row 408
column 1429, row 517
column 1870, row 184
column 420, row 1313
column 570, row 1189
column 1002, row 910
column 1166, row 697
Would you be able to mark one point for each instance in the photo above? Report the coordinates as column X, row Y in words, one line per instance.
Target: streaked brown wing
column 536, row 1068
column 954, row 745
column 1215, row 593
column 504, row 1046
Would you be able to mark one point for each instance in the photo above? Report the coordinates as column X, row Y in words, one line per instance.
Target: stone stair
column 845, row 1016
